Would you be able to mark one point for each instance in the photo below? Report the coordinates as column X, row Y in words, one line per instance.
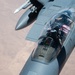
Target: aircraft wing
column 46, row 13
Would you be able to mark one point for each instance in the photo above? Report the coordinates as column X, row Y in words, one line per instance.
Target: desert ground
column 14, row 49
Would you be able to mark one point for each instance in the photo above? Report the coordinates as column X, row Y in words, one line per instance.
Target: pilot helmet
column 66, row 14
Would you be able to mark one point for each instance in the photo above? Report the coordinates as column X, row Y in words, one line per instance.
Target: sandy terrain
column 14, row 49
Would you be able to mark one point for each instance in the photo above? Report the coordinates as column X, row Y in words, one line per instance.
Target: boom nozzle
column 25, row 5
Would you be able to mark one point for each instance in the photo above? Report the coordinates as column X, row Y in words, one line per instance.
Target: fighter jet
column 31, row 14
column 53, row 32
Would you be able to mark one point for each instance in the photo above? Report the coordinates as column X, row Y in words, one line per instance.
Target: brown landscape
column 14, row 49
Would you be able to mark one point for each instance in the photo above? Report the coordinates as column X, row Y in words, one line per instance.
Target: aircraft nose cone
column 26, row 19
column 19, row 26
column 23, row 22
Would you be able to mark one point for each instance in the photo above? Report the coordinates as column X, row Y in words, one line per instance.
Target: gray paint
column 37, row 68
column 47, row 12
column 70, row 41
column 44, row 16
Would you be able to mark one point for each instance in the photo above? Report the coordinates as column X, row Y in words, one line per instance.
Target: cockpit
column 45, row 51
column 62, row 24
column 55, row 34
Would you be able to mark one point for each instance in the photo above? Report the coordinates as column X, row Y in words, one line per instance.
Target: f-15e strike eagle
column 53, row 32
